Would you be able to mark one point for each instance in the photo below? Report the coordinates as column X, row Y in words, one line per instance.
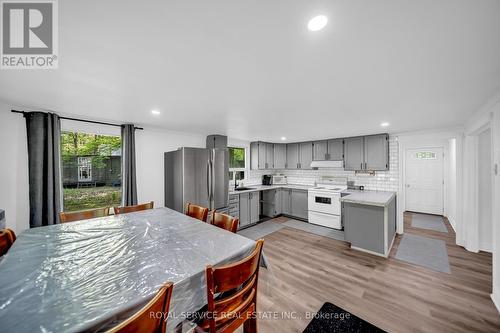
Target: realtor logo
column 29, row 34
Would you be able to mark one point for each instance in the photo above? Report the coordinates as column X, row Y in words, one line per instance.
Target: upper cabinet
column 292, row 156
column 279, row 155
column 299, row 155
column 369, row 153
column 354, row 153
column 320, row 150
column 328, row 150
column 306, row 155
column 377, row 152
column 261, row 155
column 336, row 150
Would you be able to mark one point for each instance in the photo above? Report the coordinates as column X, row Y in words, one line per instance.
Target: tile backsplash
column 381, row 181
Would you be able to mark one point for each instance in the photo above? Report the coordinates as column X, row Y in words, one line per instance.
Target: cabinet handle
column 365, row 166
column 361, row 166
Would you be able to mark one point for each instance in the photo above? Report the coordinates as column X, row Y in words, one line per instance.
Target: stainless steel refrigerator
column 199, row 176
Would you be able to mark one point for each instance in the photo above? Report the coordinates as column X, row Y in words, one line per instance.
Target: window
column 425, row 155
column 236, row 164
column 91, row 170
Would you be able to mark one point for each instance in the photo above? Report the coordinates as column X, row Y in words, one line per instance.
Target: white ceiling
column 252, row 70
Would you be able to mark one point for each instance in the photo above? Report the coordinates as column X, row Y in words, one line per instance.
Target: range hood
column 327, row 164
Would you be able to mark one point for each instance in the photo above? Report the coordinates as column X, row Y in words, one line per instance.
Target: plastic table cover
column 87, row 275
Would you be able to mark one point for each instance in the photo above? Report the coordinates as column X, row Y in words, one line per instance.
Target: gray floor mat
column 430, row 222
column 423, row 251
column 260, row 230
column 315, row 229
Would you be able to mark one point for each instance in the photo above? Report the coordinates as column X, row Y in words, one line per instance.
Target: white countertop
column 255, row 188
column 372, row 198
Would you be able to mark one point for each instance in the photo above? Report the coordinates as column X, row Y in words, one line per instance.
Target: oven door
column 326, row 203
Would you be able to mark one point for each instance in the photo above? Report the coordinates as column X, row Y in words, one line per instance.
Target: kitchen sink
column 243, row 188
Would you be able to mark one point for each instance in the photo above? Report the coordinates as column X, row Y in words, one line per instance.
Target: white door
column 424, row 180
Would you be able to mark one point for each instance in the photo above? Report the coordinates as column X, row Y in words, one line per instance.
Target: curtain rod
column 83, row 120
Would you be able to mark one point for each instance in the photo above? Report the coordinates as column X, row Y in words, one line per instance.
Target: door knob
column 407, row 185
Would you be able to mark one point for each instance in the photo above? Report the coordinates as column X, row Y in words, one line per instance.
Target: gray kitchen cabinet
column 320, row 150
column 335, row 150
column 376, row 152
column 217, row 141
column 299, row 203
column 261, row 155
column 306, row 155
column 354, row 153
column 278, row 202
column 269, row 155
column 286, row 201
column 271, row 202
column 279, row 156
column 249, row 208
column 292, row 156
column 244, row 209
column 254, row 207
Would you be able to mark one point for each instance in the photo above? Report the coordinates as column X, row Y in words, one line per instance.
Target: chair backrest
column 83, row 215
column 152, row 318
column 197, row 212
column 238, row 282
column 131, row 209
column 224, row 221
column 7, row 238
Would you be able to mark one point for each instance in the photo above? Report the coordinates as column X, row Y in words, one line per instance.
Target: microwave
column 279, row 180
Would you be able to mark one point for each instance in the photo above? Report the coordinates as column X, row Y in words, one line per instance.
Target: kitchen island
column 370, row 220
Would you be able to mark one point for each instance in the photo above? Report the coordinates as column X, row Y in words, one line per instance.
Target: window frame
column 234, row 170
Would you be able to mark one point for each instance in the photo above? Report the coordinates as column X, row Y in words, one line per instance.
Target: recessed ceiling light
column 384, row 124
column 155, row 112
column 283, row 138
column 317, row 23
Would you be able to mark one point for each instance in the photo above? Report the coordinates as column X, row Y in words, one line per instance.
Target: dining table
column 87, row 276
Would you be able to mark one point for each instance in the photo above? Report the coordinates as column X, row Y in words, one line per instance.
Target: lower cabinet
column 249, row 208
column 271, row 203
column 294, row 203
column 299, row 204
column 286, row 201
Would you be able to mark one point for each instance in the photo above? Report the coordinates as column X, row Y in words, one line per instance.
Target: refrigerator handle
column 208, row 180
column 212, row 182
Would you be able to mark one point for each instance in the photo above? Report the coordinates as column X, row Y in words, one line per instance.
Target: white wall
column 496, row 205
column 14, row 193
column 150, row 145
column 452, row 186
column 485, row 189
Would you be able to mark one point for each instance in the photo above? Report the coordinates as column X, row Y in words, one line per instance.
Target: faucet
column 235, row 184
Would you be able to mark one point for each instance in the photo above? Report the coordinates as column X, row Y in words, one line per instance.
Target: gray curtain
column 44, row 135
column 129, row 185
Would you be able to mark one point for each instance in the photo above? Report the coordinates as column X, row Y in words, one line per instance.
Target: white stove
column 324, row 202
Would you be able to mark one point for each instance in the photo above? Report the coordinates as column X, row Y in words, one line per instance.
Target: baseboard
column 496, row 301
column 452, row 223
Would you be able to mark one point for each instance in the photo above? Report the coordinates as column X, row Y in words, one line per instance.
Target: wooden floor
column 307, row 270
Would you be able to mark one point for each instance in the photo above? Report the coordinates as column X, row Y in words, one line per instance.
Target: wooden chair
column 236, row 288
column 131, row 209
column 224, row 221
column 83, row 215
column 7, row 238
column 197, row 212
column 142, row 321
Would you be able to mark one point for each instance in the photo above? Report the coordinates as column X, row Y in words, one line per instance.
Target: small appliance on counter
column 267, row 180
column 279, row 180
column 351, row 186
